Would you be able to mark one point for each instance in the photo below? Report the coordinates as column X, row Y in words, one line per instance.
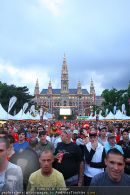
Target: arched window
column 64, row 103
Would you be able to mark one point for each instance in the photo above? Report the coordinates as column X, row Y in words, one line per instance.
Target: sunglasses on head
column 1, row 150
column 92, row 134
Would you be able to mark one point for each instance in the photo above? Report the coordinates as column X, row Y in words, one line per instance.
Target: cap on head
column 67, row 131
column 111, row 135
column 75, row 132
column 102, row 128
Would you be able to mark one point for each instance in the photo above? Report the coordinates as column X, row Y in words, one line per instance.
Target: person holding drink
column 69, row 160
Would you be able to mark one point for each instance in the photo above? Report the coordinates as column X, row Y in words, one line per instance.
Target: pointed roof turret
column 37, row 83
column 49, row 88
column 79, row 84
column 50, row 84
column 79, row 90
column 64, row 66
column 92, row 90
column 36, row 90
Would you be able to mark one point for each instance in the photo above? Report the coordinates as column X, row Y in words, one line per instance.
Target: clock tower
column 64, row 84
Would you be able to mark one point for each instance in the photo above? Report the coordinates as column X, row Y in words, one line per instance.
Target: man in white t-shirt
column 11, row 178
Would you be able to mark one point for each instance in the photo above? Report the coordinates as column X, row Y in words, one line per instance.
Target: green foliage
column 7, row 91
column 114, row 97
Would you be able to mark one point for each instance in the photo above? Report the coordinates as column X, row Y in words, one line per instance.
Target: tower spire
column 36, row 90
column 64, row 77
column 49, row 88
column 79, row 90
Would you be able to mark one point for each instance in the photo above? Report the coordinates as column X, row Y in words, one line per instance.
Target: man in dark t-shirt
column 69, row 160
column 113, row 179
column 125, row 144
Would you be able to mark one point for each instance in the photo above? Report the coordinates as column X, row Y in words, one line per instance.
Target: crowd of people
column 60, row 154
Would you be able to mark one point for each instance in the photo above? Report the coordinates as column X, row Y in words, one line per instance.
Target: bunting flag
column 11, row 103
column 25, row 106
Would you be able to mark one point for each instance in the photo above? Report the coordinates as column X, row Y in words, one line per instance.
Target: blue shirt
column 20, row 146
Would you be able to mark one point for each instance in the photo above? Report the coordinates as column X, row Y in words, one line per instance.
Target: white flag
column 41, row 112
column 32, row 109
column 100, row 112
column 11, row 103
column 25, row 106
column 106, row 111
column 114, row 110
column 123, row 108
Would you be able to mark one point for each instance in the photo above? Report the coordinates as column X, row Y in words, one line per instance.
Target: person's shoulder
column 120, row 142
column 14, row 166
column 97, row 179
column 35, row 173
column 100, row 175
column 126, row 176
column 15, row 144
column 59, row 144
column 56, row 172
column 100, row 145
column 25, row 143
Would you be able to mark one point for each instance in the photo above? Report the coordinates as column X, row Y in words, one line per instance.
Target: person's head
column 46, row 159
column 83, row 133
column 103, row 131
column 33, row 133
column 115, row 164
column 11, row 141
column 3, row 133
column 66, row 136
column 4, row 147
column 111, row 139
column 22, row 135
column 40, row 128
column 125, row 135
column 42, row 136
column 75, row 134
column 93, row 135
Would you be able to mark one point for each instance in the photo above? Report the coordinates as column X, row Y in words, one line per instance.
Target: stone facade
column 79, row 100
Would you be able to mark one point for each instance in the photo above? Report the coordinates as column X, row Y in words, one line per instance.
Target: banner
column 11, row 103
column 25, row 106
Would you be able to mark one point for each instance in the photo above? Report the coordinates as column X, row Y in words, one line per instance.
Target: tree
column 116, row 98
column 7, row 91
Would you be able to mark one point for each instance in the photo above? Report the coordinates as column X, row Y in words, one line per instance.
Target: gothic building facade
column 79, row 100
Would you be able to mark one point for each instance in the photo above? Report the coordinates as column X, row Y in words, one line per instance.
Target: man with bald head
column 46, row 176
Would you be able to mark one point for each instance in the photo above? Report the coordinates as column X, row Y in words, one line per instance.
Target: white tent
column 120, row 116
column 47, row 115
column 18, row 116
column 4, row 115
column 101, row 117
column 110, row 116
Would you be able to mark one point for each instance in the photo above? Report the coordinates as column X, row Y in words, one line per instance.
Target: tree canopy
column 7, row 91
column 114, row 97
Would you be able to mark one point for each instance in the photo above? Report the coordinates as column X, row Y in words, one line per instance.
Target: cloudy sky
column 94, row 35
